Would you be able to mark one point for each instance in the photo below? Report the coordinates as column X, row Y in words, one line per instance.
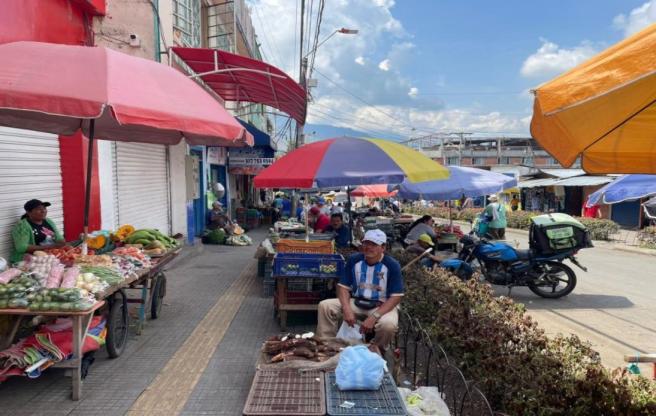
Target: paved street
column 613, row 305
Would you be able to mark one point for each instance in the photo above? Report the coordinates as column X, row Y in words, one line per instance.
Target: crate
column 300, row 246
column 384, row 401
column 286, row 392
column 261, row 266
column 268, row 287
column 300, row 298
column 322, row 266
column 300, row 284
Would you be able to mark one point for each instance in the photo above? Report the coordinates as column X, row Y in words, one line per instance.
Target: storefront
column 30, row 167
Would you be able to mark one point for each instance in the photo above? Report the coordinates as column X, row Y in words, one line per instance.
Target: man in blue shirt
column 369, row 291
column 341, row 231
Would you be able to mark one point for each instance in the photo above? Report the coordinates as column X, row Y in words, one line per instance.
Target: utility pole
column 301, row 77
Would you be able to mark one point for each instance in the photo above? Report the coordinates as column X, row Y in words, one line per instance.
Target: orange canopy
column 604, row 110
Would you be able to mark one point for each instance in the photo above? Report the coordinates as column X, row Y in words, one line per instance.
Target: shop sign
column 249, row 157
column 217, row 155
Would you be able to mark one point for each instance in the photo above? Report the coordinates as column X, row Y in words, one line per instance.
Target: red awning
column 239, row 78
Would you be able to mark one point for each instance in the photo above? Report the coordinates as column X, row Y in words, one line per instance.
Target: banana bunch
column 151, row 239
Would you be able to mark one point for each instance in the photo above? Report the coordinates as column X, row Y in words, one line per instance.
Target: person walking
column 496, row 213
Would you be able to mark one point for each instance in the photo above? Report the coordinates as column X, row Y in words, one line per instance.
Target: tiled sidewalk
column 196, row 282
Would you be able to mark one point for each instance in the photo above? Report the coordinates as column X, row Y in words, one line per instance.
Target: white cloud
column 637, row 19
column 384, row 65
column 414, row 91
column 550, row 59
column 359, row 60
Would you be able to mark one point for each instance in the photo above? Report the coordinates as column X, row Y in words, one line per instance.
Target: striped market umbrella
column 348, row 161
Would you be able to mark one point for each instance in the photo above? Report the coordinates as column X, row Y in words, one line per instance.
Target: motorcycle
column 541, row 270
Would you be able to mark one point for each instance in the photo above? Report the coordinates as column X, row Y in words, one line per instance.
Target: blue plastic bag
column 359, row 369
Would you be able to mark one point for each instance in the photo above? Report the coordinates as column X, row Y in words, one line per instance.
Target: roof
column 533, row 183
column 563, row 173
column 261, row 138
column 239, row 78
column 585, row 181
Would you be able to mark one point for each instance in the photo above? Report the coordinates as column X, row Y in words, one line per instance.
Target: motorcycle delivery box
column 556, row 233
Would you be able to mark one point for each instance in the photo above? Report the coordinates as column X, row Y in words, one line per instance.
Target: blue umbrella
column 470, row 182
column 624, row 188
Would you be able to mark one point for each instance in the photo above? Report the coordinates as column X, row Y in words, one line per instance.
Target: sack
column 366, row 303
column 359, row 369
column 349, row 333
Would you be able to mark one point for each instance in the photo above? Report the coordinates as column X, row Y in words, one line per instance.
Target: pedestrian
column 514, row 203
column 341, row 231
column 592, row 211
column 370, row 291
column 496, row 214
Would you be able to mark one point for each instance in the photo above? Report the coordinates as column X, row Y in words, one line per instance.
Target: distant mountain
column 315, row 132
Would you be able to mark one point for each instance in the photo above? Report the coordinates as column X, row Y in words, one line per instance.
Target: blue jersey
column 342, row 235
column 377, row 282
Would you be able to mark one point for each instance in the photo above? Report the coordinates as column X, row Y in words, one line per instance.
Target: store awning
column 585, row 181
column 261, row 138
column 534, row 183
column 239, row 78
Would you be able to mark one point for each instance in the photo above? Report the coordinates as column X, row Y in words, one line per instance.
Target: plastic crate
column 323, row 266
column 384, row 401
column 300, row 298
column 300, row 284
column 268, row 287
column 286, row 392
column 300, row 246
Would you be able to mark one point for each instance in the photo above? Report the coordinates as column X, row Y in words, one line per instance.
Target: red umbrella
column 108, row 95
column 373, row 191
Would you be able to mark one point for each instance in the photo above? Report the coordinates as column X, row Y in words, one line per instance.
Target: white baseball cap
column 375, row 236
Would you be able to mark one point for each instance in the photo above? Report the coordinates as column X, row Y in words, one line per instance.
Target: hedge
column 600, row 229
column 520, row 369
column 647, row 237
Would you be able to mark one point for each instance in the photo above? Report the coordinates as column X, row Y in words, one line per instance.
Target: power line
column 354, row 119
column 315, row 46
column 265, row 27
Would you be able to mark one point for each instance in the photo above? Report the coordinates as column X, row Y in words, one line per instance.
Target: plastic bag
column 424, row 401
column 359, row 369
column 349, row 333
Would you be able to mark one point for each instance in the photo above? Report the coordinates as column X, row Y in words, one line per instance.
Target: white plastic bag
column 359, row 369
column 349, row 333
column 424, row 401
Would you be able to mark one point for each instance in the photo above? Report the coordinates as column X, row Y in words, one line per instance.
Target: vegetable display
column 9, row 275
column 15, row 294
column 61, row 299
column 147, row 237
column 106, row 274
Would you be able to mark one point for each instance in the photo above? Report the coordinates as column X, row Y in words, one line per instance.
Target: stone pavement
column 197, row 359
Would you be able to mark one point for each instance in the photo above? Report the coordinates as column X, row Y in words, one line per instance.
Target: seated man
column 342, row 232
column 423, row 243
column 370, row 290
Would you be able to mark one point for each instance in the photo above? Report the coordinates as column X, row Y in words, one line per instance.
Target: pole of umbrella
column 348, row 207
column 87, row 193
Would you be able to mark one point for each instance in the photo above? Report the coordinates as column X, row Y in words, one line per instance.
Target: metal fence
column 426, row 364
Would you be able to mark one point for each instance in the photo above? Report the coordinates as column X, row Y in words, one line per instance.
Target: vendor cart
column 152, row 284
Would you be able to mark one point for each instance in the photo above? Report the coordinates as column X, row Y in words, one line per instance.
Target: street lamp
column 343, row 31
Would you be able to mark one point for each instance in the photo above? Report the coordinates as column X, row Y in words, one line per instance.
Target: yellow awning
column 603, row 110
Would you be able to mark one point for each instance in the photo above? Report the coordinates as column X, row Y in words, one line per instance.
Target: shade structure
column 348, row 161
column 61, row 88
column 604, row 110
column 470, row 182
column 239, row 78
column 373, row 191
column 624, row 188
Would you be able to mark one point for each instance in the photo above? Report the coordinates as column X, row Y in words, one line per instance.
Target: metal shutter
column 142, row 185
column 29, row 168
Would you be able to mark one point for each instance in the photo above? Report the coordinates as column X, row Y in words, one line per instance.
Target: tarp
column 246, row 80
column 603, row 110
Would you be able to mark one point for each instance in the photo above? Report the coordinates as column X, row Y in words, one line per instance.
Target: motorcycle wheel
column 559, row 280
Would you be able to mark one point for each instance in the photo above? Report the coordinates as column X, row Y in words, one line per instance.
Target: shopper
column 514, row 203
column 496, row 214
column 34, row 231
column 217, row 218
column 369, row 291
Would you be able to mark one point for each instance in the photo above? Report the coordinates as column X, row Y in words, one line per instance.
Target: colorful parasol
column 348, row 161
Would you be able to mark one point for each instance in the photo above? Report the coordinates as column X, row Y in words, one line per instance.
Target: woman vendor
column 217, row 218
column 34, row 231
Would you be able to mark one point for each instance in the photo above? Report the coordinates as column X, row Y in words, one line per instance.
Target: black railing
column 425, row 363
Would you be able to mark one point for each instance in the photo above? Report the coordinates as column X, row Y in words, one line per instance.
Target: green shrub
column 520, row 370
column 647, row 237
column 520, row 220
column 600, row 229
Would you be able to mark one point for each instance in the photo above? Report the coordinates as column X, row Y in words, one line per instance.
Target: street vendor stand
column 81, row 321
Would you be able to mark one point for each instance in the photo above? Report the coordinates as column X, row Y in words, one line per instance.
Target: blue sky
column 420, row 67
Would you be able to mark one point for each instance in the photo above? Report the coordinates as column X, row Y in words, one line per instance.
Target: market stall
column 87, row 292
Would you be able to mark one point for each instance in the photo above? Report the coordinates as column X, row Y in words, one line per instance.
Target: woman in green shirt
column 496, row 212
column 34, row 231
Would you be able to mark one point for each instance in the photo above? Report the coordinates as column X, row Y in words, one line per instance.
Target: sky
column 420, row 67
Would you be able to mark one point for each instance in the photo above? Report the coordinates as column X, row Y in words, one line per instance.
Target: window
column 504, row 160
column 186, row 19
column 220, row 26
column 527, row 161
column 478, row 161
column 452, row 160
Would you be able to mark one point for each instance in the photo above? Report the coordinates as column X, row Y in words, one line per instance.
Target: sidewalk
column 197, row 359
